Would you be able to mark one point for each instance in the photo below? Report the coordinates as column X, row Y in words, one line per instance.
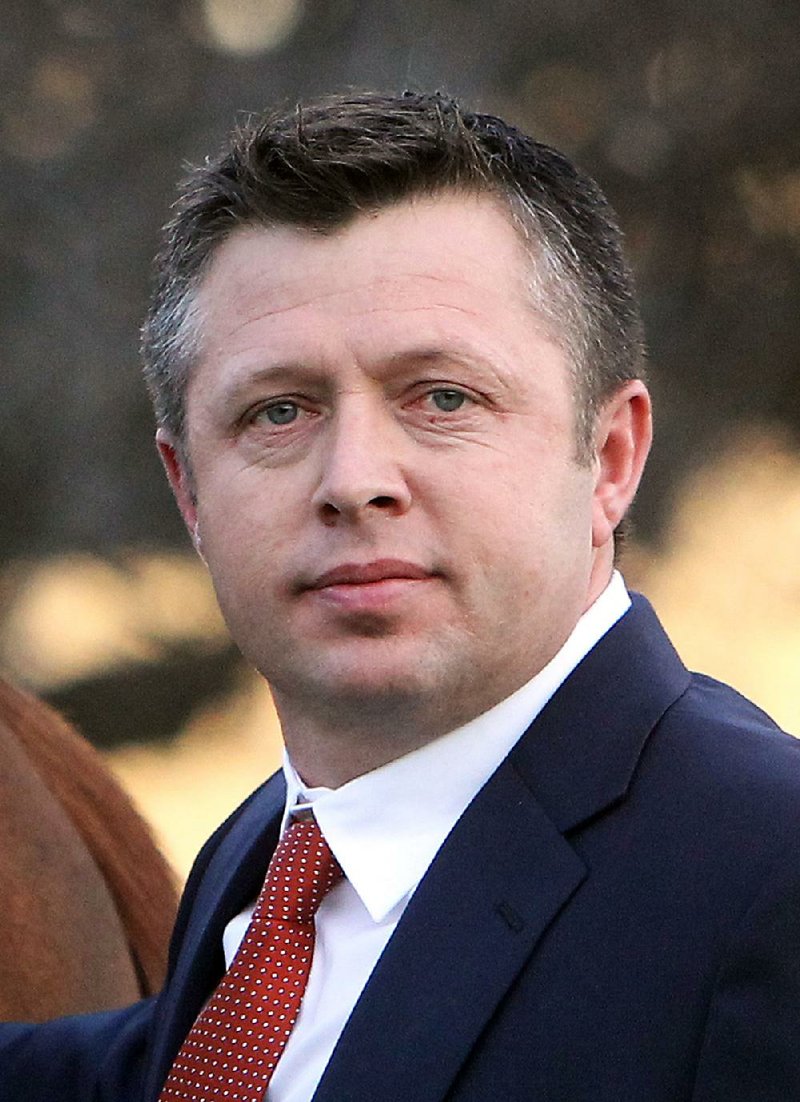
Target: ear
column 180, row 479
column 623, row 435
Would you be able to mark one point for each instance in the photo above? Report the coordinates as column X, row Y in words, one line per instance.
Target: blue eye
column 281, row 413
column 448, row 401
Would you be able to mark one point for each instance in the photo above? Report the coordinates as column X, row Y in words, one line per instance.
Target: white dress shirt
column 385, row 828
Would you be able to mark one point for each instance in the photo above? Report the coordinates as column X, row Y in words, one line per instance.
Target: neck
column 600, row 575
column 333, row 748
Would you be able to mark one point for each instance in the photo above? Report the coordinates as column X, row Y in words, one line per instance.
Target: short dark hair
column 325, row 163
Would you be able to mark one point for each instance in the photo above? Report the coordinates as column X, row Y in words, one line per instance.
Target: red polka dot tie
column 233, row 1047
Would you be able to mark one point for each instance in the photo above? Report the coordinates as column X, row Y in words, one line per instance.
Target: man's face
column 381, row 437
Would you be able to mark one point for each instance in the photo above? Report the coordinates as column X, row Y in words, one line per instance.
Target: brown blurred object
column 88, row 900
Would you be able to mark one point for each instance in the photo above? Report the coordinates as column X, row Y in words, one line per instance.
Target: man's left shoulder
column 728, row 753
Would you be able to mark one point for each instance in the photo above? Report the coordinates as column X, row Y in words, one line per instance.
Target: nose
column 362, row 469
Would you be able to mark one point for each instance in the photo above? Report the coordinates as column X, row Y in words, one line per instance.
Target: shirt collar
column 385, row 840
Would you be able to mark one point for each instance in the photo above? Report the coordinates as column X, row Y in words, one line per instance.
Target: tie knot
column 302, row 870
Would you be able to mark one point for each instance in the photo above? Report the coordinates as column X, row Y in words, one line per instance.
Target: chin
column 402, row 675
column 359, row 687
column 366, row 684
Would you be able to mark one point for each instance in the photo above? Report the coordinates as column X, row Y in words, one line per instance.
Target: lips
column 381, row 570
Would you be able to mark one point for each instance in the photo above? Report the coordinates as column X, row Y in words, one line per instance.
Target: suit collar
column 580, row 754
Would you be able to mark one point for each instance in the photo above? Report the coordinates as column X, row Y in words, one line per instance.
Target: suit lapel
column 232, row 879
column 504, row 874
column 496, row 884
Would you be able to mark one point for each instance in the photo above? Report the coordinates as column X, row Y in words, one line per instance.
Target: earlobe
column 180, row 480
column 623, row 436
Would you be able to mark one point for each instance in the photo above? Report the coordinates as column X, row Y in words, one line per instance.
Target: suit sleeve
column 85, row 1058
column 752, row 1042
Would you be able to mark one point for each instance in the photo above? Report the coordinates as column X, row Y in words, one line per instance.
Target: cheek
column 536, row 523
column 236, row 533
column 234, row 498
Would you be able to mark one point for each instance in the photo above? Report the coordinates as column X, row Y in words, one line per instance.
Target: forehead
column 424, row 246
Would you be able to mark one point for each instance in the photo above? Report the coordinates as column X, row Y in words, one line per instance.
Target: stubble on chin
column 398, row 700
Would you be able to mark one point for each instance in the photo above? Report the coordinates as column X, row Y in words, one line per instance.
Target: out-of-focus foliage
column 687, row 113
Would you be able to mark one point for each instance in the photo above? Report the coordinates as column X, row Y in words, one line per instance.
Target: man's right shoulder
column 243, row 824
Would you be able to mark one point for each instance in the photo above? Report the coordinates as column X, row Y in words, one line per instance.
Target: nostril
column 335, row 508
column 329, row 513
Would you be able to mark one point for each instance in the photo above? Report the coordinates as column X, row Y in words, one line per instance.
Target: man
column 397, row 368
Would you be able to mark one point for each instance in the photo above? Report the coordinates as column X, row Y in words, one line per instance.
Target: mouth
column 371, row 573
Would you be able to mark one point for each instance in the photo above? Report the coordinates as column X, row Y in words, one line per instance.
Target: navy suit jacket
column 615, row 918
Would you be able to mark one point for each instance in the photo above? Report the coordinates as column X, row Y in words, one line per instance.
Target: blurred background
column 688, row 114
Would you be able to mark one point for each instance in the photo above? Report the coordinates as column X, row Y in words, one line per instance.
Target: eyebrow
column 267, row 373
column 433, row 354
column 471, row 360
column 232, row 390
column 244, row 380
column 425, row 353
